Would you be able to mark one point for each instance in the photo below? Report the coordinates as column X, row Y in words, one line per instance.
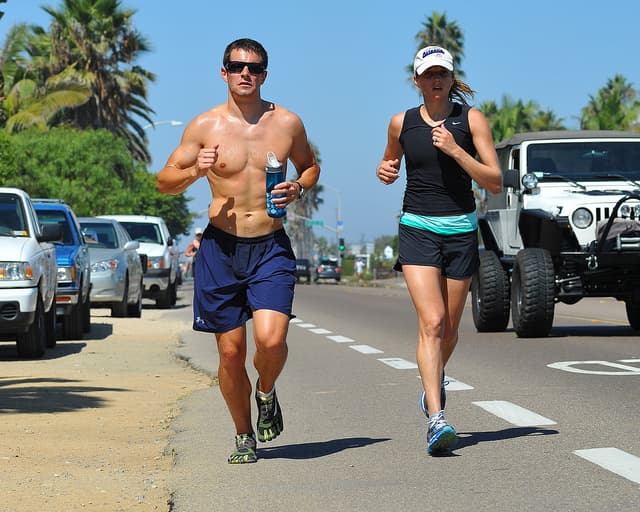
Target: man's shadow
column 319, row 449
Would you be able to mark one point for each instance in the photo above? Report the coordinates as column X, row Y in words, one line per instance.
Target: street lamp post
column 170, row 122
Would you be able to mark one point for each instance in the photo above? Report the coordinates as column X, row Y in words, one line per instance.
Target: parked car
column 303, row 270
column 161, row 278
column 116, row 267
column 72, row 256
column 328, row 268
column 27, row 275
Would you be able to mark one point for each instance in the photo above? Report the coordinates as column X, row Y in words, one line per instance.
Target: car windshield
column 57, row 217
column 143, row 232
column 12, row 217
column 586, row 161
column 99, row 235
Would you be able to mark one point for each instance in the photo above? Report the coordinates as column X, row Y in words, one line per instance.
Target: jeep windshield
column 586, row 161
column 145, row 232
column 12, row 218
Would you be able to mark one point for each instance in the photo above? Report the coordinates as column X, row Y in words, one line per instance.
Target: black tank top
column 436, row 184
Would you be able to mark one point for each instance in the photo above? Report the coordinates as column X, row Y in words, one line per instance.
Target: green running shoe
column 270, row 424
column 245, row 450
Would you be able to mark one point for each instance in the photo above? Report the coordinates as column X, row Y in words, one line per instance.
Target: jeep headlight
column 529, row 181
column 582, row 218
column 66, row 274
column 15, row 271
column 625, row 211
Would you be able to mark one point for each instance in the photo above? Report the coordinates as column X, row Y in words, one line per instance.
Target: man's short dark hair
column 248, row 45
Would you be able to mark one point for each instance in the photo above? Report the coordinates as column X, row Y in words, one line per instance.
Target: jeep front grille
column 602, row 213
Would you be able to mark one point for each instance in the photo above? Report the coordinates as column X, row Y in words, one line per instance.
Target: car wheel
column 490, row 294
column 119, row 309
column 164, row 300
column 31, row 344
column 532, row 293
column 50, row 326
column 135, row 310
column 633, row 314
column 73, row 323
column 86, row 314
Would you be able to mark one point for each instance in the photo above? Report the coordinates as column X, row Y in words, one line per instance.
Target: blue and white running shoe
column 441, row 436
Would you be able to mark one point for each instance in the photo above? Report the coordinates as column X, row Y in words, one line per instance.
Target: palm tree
column 437, row 30
column 513, row 117
column 615, row 107
column 98, row 39
column 30, row 94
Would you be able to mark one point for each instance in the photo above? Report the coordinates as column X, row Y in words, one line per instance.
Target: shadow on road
column 42, row 395
column 466, row 439
column 315, row 450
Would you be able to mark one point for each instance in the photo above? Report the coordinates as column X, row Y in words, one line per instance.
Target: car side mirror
column 50, row 233
column 131, row 245
column 170, row 242
column 511, row 178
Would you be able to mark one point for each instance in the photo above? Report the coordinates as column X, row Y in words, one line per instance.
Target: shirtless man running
column 245, row 265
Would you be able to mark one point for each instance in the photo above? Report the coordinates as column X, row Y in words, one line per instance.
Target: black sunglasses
column 236, row 66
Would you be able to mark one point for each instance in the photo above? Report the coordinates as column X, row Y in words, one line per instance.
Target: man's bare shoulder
column 286, row 117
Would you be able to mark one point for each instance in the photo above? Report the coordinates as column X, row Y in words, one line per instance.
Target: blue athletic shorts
column 455, row 255
column 235, row 276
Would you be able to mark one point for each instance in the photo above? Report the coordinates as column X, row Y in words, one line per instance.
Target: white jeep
column 566, row 225
column 28, row 275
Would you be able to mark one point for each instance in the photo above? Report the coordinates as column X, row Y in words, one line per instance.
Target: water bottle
column 275, row 175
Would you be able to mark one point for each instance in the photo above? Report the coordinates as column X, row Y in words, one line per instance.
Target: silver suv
column 566, row 225
column 161, row 250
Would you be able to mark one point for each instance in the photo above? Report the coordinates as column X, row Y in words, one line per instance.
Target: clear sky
column 340, row 66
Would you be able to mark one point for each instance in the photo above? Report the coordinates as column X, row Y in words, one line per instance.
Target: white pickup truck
column 28, row 275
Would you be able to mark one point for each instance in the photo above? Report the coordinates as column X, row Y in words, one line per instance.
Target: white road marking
column 398, row 363
column 569, row 366
column 340, row 339
column 514, row 414
column 614, row 460
column 295, row 321
column 454, row 384
column 320, row 330
column 366, row 349
column 306, row 326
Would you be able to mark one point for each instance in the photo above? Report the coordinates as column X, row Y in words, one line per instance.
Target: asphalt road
column 544, row 424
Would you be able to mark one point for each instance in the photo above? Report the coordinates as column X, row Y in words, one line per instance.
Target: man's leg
column 270, row 333
column 233, row 379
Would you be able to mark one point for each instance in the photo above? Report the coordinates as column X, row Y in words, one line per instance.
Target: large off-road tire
column 73, row 323
column 119, row 309
column 31, row 344
column 633, row 314
column 50, row 326
column 135, row 310
column 490, row 294
column 532, row 293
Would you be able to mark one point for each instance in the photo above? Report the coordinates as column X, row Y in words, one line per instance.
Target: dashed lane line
column 514, row 414
column 340, row 339
column 612, row 459
column 398, row 363
column 366, row 349
column 453, row 384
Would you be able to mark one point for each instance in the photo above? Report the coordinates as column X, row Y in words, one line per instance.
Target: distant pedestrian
column 192, row 251
column 359, row 267
column 438, row 245
column 245, row 266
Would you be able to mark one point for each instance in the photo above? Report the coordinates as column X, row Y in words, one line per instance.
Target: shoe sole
column 443, row 441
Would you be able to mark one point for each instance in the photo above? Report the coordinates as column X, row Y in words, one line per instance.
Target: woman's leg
column 425, row 287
